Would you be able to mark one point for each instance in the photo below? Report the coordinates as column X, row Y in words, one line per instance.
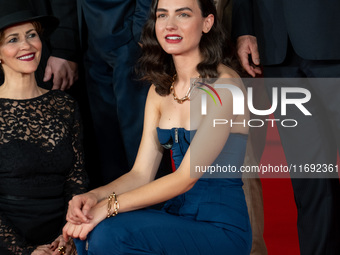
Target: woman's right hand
column 98, row 213
column 43, row 250
column 79, row 207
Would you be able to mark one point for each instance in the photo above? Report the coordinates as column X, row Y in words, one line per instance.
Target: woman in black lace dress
column 41, row 159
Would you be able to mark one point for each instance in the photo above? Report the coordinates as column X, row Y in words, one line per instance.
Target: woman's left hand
column 43, row 250
column 99, row 213
column 59, row 246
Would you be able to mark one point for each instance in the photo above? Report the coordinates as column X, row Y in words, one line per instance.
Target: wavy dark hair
column 156, row 66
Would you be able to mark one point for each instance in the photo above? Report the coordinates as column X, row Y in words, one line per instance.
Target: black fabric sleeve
column 64, row 41
column 242, row 18
column 77, row 180
column 140, row 17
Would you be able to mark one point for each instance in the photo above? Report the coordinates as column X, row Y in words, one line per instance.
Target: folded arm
column 203, row 150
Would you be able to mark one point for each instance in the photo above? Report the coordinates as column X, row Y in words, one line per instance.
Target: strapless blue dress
column 211, row 218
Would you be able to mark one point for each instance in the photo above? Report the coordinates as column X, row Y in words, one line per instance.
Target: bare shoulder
column 153, row 98
column 153, row 95
column 229, row 76
column 227, row 72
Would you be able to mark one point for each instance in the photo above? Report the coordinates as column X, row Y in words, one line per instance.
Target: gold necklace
column 187, row 95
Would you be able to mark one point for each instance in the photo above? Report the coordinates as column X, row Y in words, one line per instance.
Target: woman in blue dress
column 182, row 43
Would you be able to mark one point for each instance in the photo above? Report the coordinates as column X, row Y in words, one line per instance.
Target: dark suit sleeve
column 64, row 41
column 140, row 17
column 242, row 18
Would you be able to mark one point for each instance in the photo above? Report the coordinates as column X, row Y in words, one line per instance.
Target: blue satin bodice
column 219, row 201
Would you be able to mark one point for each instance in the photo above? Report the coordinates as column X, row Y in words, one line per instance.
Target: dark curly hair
column 156, row 66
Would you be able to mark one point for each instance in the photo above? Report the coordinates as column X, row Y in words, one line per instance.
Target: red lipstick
column 173, row 38
column 27, row 57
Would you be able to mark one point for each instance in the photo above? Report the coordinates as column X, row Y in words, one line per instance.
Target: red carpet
column 280, row 232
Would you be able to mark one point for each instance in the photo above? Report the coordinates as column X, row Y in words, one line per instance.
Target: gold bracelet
column 112, row 202
column 109, row 205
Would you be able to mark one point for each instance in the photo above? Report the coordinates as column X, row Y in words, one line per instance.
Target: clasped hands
column 84, row 213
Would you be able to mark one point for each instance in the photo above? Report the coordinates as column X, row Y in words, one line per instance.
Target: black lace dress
column 41, row 168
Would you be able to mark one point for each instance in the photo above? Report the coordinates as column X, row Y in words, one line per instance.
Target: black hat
column 17, row 11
